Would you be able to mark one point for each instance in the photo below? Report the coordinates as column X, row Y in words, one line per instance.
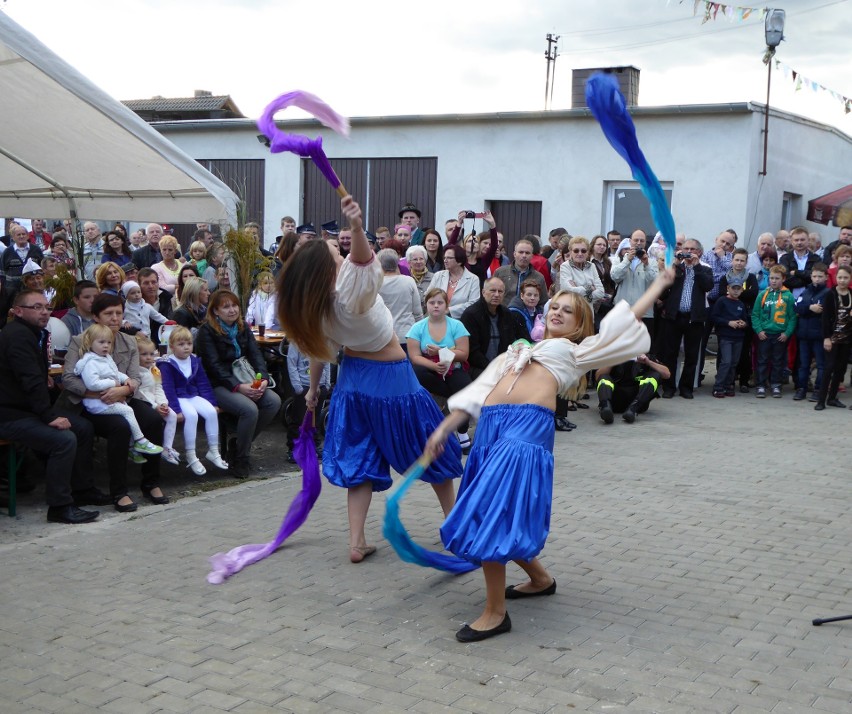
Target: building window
column 627, row 208
column 791, row 210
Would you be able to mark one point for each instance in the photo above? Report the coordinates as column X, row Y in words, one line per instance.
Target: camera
column 640, row 252
column 682, row 256
column 469, row 214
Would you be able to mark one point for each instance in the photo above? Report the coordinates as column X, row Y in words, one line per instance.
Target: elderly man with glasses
column 27, row 417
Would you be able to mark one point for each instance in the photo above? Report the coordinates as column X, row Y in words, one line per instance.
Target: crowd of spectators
column 781, row 313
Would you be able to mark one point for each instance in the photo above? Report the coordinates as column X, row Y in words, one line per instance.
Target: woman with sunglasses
column 578, row 275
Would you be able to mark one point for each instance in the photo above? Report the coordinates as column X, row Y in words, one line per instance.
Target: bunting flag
column 801, row 82
column 731, row 13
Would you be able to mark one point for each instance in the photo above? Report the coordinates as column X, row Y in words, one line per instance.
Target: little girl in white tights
column 189, row 393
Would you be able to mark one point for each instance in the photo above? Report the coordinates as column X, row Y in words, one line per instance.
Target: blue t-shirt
column 420, row 331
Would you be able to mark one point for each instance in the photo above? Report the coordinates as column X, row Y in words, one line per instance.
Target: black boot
column 606, row 412
column 630, row 413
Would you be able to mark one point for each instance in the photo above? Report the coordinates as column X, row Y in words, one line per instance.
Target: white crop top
column 359, row 320
column 621, row 337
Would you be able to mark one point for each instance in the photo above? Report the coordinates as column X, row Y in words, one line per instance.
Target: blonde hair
column 197, row 245
column 180, row 334
column 95, row 332
column 169, row 242
column 101, row 272
column 144, row 342
column 585, row 328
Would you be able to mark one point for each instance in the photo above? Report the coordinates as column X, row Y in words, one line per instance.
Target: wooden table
column 271, row 338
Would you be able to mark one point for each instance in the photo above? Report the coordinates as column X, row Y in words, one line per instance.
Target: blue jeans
column 811, row 349
column 726, row 363
column 771, row 360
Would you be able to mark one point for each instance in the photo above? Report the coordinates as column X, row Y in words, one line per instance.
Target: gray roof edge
column 744, row 108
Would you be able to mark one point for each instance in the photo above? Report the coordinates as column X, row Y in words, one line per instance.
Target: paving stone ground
column 691, row 550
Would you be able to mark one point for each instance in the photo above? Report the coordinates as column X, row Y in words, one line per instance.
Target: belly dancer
column 503, row 508
column 380, row 416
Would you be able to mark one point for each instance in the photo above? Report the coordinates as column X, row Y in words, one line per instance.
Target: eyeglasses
column 579, row 250
column 37, row 308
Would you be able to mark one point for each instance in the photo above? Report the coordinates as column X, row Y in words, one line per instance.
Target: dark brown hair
column 305, row 298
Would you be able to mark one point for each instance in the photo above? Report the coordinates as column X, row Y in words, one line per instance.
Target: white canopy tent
column 68, row 149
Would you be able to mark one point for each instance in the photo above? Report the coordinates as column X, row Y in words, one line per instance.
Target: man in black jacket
column 492, row 327
column 799, row 262
column 684, row 312
column 149, row 254
column 27, row 416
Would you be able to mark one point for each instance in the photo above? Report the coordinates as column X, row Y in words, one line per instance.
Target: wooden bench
column 13, row 473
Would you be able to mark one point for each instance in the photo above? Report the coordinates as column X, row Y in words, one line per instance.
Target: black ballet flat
column 127, row 508
column 468, row 634
column 512, row 594
column 156, row 500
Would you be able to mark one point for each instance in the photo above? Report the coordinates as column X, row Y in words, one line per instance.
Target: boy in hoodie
column 80, row 318
column 774, row 321
column 809, row 309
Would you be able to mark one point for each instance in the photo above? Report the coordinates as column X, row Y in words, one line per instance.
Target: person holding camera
column 684, row 313
column 633, row 272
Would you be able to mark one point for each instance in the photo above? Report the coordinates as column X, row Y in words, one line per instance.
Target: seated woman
column 116, row 249
column 187, row 270
column 399, row 293
column 168, row 268
column 223, row 338
column 425, row 340
column 461, row 286
column 193, row 305
column 503, row 508
column 109, row 278
column 416, row 257
column 107, row 310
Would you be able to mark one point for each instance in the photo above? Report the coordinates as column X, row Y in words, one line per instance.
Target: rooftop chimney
column 628, row 82
column 203, row 93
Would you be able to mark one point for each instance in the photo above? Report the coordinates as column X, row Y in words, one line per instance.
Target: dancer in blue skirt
column 503, row 508
column 380, row 416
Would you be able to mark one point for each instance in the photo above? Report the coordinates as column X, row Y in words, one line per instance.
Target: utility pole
column 550, row 55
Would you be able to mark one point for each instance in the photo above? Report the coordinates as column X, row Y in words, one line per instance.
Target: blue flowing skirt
column 379, row 417
column 502, row 512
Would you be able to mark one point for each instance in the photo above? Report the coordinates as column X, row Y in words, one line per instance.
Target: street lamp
column 774, row 30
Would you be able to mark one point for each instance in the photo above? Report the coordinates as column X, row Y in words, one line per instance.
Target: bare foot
column 357, row 553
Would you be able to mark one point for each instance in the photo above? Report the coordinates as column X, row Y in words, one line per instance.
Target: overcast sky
column 377, row 57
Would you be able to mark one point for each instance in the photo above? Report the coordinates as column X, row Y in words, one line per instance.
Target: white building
column 540, row 170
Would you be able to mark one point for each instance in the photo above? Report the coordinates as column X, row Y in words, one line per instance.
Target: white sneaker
column 171, row 455
column 215, row 458
column 197, row 467
column 464, row 440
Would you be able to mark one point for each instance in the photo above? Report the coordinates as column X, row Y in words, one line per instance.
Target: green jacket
column 774, row 312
